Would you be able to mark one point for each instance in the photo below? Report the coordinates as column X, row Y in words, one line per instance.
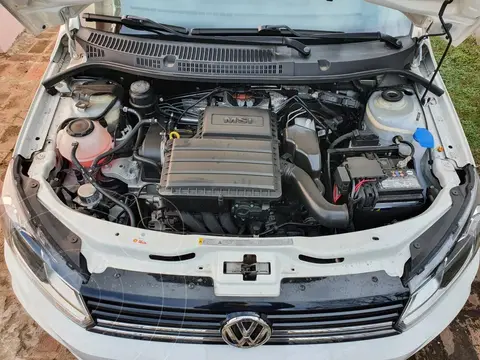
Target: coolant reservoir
column 93, row 139
column 96, row 105
column 390, row 113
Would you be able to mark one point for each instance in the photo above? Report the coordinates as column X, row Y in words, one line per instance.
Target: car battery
column 400, row 188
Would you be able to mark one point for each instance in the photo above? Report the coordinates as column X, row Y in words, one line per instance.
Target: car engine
column 250, row 161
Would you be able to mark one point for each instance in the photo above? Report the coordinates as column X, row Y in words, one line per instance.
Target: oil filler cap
column 424, row 138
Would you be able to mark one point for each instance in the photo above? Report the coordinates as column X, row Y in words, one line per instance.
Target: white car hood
column 464, row 15
column 38, row 15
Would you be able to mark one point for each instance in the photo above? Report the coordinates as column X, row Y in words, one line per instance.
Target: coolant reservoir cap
column 80, row 127
column 392, row 95
column 424, row 138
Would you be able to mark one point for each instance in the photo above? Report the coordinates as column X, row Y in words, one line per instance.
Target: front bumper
column 91, row 346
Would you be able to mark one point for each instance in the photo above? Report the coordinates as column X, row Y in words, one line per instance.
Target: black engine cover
column 234, row 155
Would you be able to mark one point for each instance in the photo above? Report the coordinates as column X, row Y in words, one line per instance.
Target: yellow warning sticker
column 200, row 241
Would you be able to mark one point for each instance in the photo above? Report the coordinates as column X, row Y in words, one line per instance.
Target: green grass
column 461, row 73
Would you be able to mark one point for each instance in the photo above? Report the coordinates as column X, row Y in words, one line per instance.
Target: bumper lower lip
column 90, row 346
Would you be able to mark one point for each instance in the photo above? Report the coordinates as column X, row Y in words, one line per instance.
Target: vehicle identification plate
column 245, row 242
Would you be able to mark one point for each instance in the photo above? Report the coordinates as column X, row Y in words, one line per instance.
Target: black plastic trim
column 174, row 258
column 197, row 292
column 106, row 65
column 315, row 260
column 64, row 241
column 426, row 246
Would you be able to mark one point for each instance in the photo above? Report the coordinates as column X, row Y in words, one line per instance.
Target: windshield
column 338, row 15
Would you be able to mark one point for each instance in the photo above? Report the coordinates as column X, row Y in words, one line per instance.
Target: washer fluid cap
column 424, row 138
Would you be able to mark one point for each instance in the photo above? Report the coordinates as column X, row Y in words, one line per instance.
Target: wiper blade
column 285, row 29
column 264, row 30
column 176, row 32
column 137, row 23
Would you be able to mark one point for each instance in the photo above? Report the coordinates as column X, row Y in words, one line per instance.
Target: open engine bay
column 258, row 161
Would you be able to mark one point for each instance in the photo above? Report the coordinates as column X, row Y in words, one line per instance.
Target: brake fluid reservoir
column 390, row 113
column 93, row 139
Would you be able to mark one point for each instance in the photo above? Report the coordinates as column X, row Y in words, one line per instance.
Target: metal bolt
column 416, row 245
column 374, row 279
column 117, row 275
column 455, row 192
column 33, row 185
column 191, row 285
column 302, row 287
column 73, row 239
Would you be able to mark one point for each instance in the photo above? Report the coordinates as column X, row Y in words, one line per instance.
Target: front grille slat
column 164, row 313
column 156, row 329
column 332, row 331
column 333, row 323
column 323, row 314
column 156, row 336
column 289, row 326
column 333, row 338
column 151, row 321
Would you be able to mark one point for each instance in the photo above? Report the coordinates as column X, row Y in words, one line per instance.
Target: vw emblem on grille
column 245, row 330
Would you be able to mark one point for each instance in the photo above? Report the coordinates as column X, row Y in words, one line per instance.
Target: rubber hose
column 92, row 181
column 191, row 222
column 147, row 161
column 399, row 140
column 327, row 214
column 134, row 112
column 212, row 223
column 124, row 143
column 341, row 139
column 227, row 223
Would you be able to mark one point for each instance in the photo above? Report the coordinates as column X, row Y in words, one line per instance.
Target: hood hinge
column 72, row 24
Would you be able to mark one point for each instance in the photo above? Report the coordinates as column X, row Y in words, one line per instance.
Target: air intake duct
column 327, row 214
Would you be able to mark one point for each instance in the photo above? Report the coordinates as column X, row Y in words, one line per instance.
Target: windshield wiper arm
column 138, row 23
column 312, row 36
column 277, row 29
column 361, row 36
column 365, row 36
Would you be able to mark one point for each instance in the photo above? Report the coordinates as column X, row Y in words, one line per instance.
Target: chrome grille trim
column 183, row 336
column 155, row 336
column 157, row 329
column 202, row 326
column 191, row 335
column 333, row 331
column 334, row 338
